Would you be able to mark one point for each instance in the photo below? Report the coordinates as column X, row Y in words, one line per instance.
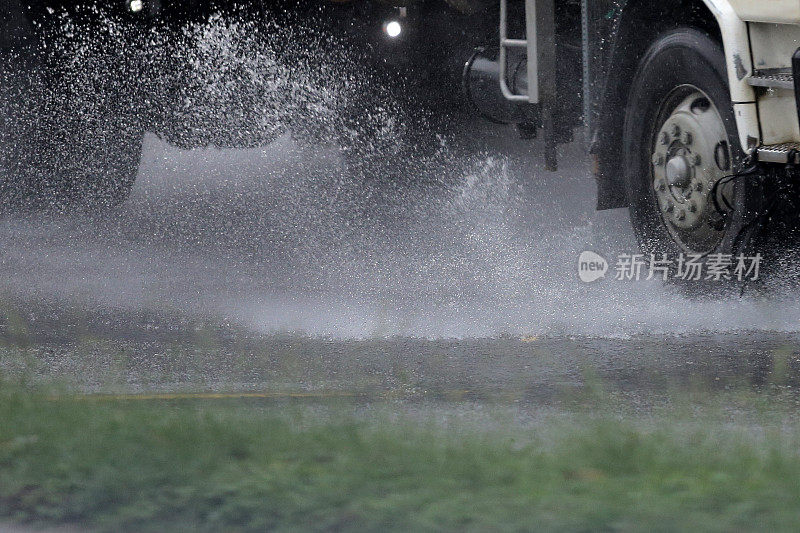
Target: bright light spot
column 393, row 29
column 136, row 5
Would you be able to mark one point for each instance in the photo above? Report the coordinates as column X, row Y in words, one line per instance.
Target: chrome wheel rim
column 690, row 153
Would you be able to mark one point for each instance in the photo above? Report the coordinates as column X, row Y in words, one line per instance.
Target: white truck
column 690, row 106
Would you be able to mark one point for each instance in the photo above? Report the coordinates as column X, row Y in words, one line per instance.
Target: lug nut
column 686, row 138
column 693, row 207
column 676, row 130
column 665, row 139
column 670, row 207
column 681, row 215
column 658, row 160
column 697, row 161
column 662, row 186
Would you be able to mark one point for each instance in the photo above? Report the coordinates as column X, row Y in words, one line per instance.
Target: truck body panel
column 780, row 11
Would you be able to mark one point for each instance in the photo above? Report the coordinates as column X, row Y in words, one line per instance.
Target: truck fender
column 736, row 43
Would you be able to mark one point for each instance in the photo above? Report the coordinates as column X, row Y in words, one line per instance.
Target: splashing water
column 342, row 213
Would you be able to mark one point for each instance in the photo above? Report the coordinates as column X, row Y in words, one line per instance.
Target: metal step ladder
column 539, row 44
column 774, row 78
column 779, row 153
column 533, row 70
column 777, row 78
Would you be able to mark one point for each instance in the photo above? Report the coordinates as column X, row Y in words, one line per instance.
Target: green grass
column 242, row 466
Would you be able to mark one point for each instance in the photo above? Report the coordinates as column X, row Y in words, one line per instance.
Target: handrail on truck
column 505, row 43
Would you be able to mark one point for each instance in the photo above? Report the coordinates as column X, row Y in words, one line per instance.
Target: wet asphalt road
column 273, row 269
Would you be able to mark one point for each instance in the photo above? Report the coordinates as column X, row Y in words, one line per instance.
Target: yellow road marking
column 212, row 395
column 237, row 395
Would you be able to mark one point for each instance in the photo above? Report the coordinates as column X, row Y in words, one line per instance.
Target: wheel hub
column 685, row 168
column 678, row 172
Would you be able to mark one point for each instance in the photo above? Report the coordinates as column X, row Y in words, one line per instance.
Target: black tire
column 680, row 60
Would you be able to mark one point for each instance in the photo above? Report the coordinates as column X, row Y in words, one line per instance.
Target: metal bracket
column 796, row 80
column 545, row 37
column 541, row 51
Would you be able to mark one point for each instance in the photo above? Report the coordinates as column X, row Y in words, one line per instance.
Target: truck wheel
column 680, row 139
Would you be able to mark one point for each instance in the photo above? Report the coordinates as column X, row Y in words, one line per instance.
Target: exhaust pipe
column 481, row 86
